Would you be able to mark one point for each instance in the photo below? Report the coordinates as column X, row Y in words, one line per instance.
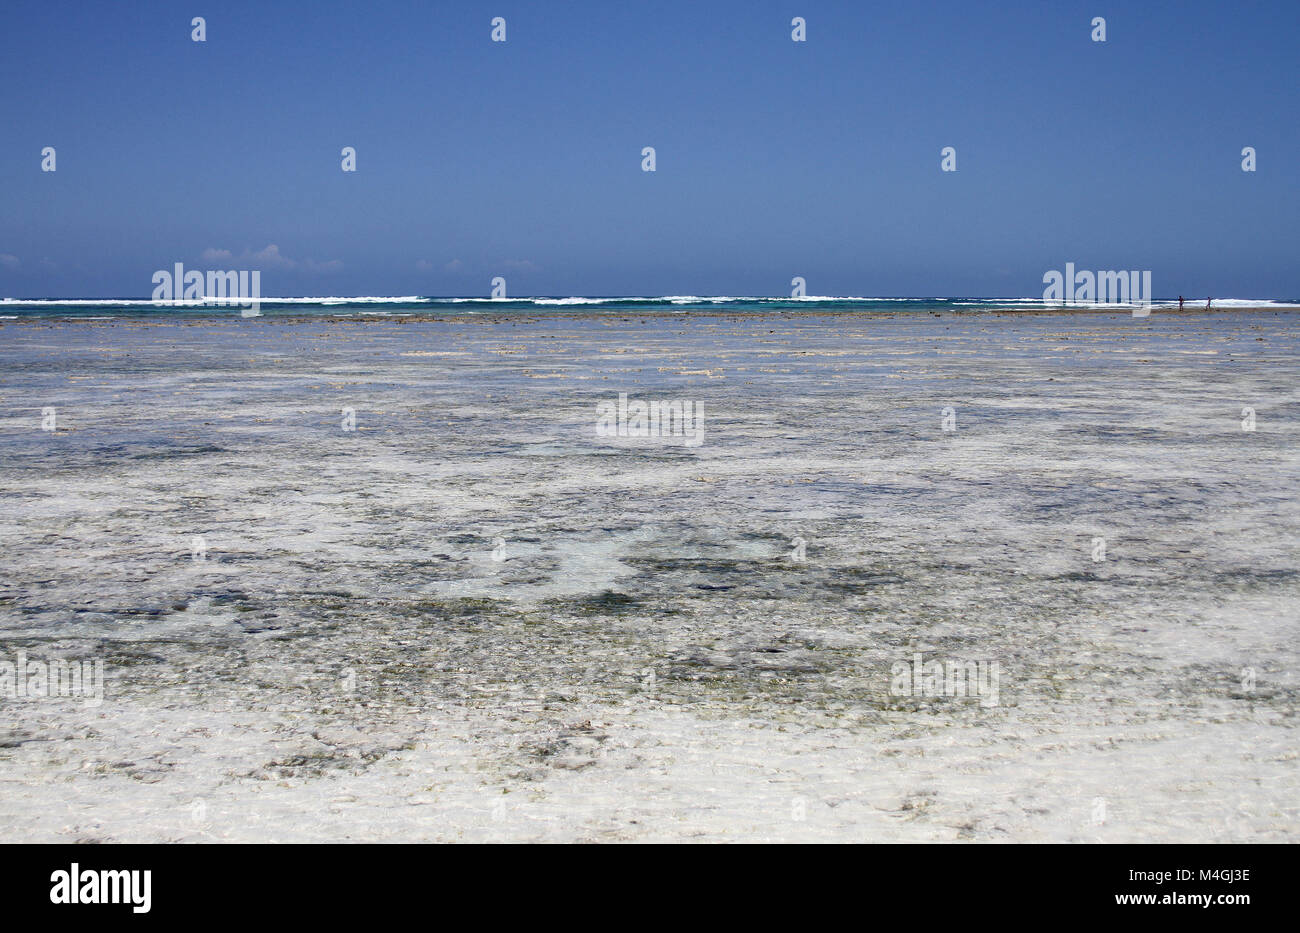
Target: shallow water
column 473, row 598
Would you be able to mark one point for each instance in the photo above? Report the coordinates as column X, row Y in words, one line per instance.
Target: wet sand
column 473, row 618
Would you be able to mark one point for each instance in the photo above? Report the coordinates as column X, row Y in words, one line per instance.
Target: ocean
column 11, row 308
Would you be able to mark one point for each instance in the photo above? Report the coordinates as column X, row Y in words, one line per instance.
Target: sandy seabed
column 474, row 619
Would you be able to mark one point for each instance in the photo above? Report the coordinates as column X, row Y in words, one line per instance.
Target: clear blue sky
column 775, row 158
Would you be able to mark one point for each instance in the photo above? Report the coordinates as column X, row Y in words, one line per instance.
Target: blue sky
column 774, row 158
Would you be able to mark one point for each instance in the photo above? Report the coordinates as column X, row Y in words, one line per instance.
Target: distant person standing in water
column 1180, row 302
column 1207, row 303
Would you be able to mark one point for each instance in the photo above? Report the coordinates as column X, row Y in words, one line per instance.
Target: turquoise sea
column 439, row 306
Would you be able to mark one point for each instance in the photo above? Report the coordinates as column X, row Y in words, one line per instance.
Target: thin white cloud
column 269, row 257
column 333, row 265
